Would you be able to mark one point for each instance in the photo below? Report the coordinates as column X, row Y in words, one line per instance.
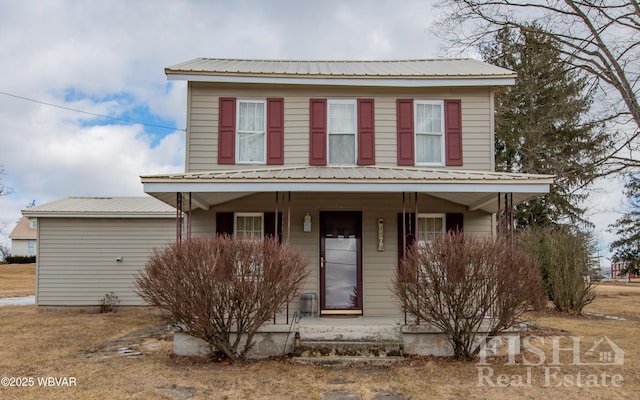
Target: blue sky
column 107, row 57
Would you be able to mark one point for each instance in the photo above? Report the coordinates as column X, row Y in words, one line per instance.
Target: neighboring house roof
column 103, row 207
column 23, row 231
column 408, row 73
column 476, row 189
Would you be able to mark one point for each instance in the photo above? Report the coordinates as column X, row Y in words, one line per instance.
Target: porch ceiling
column 478, row 190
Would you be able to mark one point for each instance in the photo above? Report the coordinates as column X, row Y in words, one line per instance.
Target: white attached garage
column 91, row 246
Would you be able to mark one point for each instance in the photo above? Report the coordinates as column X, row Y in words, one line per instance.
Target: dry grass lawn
column 85, row 347
column 17, row 280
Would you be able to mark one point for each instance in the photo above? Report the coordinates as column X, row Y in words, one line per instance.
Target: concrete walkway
column 18, row 301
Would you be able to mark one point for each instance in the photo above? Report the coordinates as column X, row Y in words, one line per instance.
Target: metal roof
column 351, row 174
column 347, row 68
column 23, row 230
column 478, row 190
column 400, row 73
column 118, row 207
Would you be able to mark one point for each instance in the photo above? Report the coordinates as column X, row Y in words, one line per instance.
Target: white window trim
column 432, row 215
column 255, row 270
column 237, row 139
column 247, row 214
column 31, row 247
column 354, row 102
column 33, row 223
column 415, row 132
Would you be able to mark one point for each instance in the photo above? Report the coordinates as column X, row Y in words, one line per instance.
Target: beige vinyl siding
column 77, row 257
column 203, row 120
column 20, row 247
column 378, row 267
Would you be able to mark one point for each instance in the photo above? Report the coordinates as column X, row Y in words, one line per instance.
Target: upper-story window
column 342, row 132
column 251, row 131
column 33, row 223
column 429, row 131
column 251, row 134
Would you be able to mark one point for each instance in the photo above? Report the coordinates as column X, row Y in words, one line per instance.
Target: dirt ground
column 127, row 355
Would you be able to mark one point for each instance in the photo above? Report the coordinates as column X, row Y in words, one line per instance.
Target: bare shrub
column 109, row 303
column 566, row 263
column 468, row 287
column 222, row 290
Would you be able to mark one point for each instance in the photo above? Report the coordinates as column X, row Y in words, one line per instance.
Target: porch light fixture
column 380, row 234
column 307, row 223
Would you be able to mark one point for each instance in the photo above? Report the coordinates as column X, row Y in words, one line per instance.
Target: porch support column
column 498, row 216
column 404, row 244
column 179, row 217
column 505, row 226
column 508, row 202
column 189, row 220
column 404, row 228
column 289, row 218
column 416, row 215
column 275, row 232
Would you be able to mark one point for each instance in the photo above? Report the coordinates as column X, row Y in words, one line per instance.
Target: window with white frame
column 429, row 131
column 251, row 132
column 33, row 223
column 31, row 248
column 342, row 128
column 249, row 225
column 429, row 225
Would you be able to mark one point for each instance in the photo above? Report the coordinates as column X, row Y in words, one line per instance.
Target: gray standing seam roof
column 460, row 68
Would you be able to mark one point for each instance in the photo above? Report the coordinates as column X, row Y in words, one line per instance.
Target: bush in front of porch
column 468, row 287
column 223, row 289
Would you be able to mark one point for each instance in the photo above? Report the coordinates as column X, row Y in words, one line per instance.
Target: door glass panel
column 341, row 273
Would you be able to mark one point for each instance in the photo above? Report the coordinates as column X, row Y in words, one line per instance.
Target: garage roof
column 103, row 207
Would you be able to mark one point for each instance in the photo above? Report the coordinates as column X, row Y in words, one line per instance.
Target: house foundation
column 362, row 337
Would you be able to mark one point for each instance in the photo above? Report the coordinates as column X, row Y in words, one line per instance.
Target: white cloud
column 112, row 55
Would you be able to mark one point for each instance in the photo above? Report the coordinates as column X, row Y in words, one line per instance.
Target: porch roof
column 478, row 190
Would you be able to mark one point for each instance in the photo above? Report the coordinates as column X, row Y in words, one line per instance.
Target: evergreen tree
column 541, row 126
column 626, row 249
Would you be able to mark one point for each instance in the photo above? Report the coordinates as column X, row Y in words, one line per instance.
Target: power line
column 90, row 113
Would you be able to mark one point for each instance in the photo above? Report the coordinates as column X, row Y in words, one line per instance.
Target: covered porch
column 352, row 223
column 491, row 192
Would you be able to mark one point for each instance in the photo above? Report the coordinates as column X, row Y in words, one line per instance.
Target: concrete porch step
column 341, row 348
column 350, row 329
column 348, row 361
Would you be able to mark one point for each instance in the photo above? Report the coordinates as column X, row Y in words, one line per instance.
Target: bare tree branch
column 600, row 37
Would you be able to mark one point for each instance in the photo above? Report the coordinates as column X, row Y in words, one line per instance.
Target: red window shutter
column 270, row 225
column 224, row 223
column 366, row 132
column 406, row 154
column 227, row 131
column 275, row 131
column 453, row 132
column 454, row 222
column 318, row 132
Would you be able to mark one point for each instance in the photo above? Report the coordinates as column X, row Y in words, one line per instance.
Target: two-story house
column 24, row 238
column 349, row 161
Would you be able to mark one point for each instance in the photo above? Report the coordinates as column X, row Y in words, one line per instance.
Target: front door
column 340, row 262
